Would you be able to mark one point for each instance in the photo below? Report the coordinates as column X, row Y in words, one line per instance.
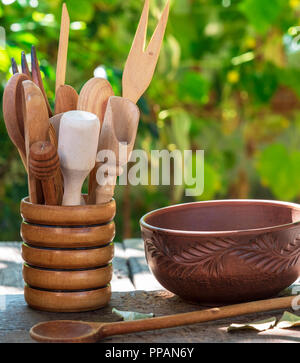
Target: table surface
column 134, row 289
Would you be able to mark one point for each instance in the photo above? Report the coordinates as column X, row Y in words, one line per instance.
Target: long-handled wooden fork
column 120, row 118
column 141, row 62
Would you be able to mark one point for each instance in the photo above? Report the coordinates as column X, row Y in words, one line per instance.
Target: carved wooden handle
column 44, row 165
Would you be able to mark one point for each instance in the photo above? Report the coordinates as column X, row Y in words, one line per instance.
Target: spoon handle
column 195, row 317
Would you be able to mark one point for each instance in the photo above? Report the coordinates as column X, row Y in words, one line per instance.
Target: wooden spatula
column 93, row 98
column 13, row 113
column 118, row 135
column 141, row 62
column 36, row 122
column 77, row 149
column 66, row 97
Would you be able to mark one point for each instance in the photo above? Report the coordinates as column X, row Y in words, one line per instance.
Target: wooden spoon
column 66, row 99
column 93, row 98
column 118, row 134
column 70, row 331
column 36, row 129
column 13, row 113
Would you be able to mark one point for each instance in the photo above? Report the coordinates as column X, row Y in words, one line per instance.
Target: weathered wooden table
column 134, row 289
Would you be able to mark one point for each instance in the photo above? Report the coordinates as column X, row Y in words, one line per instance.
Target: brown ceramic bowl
column 224, row 251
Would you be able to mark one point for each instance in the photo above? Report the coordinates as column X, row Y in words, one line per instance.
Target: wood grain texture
column 86, row 215
column 66, row 99
column 67, row 301
column 36, row 129
column 37, row 78
column 63, row 48
column 93, row 98
column 118, row 134
column 25, row 68
column 68, row 258
column 141, row 62
column 67, row 237
column 13, row 113
column 44, row 165
column 67, row 280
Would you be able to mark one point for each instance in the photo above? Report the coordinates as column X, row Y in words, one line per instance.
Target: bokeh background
column 228, row 82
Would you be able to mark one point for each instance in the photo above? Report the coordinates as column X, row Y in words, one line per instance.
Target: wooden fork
column 141, row 62
column 34, row 75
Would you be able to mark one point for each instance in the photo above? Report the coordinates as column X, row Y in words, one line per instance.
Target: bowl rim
column 179, row 232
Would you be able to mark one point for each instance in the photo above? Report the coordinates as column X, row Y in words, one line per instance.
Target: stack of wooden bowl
column 67, row 252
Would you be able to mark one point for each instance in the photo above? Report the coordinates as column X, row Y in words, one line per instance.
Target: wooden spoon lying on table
column 70, row 331
column 66, row 97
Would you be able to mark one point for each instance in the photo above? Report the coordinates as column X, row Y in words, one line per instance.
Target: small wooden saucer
column 61, row 301
column 67, row 258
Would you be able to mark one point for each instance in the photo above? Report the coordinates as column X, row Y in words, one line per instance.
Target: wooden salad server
column 77, row 149
column 44, row 165
column 70, row 331
column 141, row 62
column 66, row 97
column 13, row 113
column 93, row 98
column 137, row 75
column 36, row 122
column 118, row 135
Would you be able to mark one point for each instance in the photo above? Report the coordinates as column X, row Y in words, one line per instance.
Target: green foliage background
column 228, row 82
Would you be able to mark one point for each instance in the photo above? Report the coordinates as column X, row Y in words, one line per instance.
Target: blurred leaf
column 288, row 320
column 131, row 315
column 262, row 14
column 279, row 170
column 261, row 325
column 193, row 88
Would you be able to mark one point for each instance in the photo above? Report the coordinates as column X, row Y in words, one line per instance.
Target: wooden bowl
column 224, row 251
column 60, row 301
column 67, row 279
column 67, row 258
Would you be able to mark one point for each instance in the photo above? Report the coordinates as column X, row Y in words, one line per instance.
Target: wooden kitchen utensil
column 13, row 113
column 118, row 134
column 141, row 62
column 36, row 122
column 25, row 68
column 67, row 252
column 14, row 66
column 37, row 78
column 93, row 98
column 66, row 98
column 89, row 332
column 62, row 48
column 44, row 165
column 77, row 149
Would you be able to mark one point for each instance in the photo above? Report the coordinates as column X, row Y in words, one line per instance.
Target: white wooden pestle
column 77, row 150
column 118, row 133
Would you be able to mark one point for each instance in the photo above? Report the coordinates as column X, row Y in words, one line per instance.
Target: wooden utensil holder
column 68, row 253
